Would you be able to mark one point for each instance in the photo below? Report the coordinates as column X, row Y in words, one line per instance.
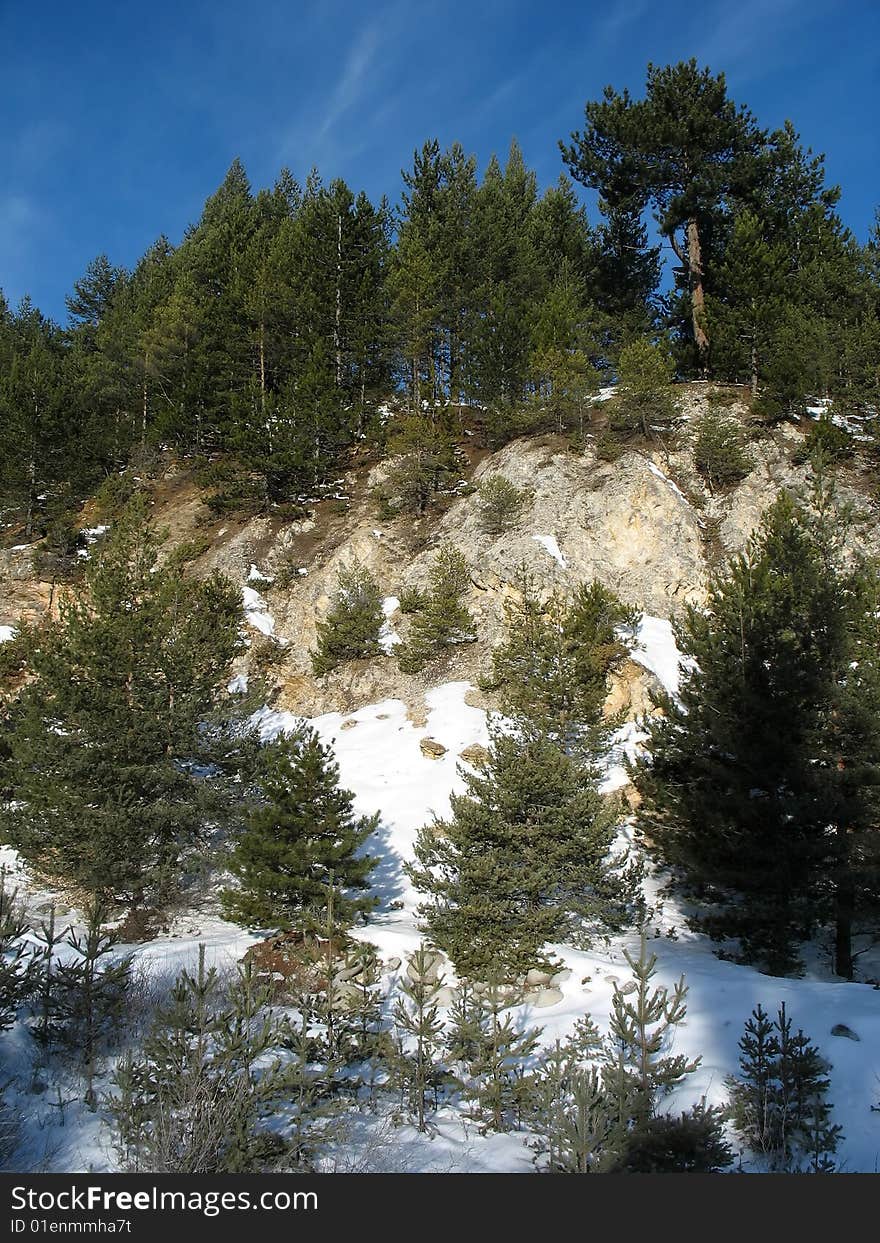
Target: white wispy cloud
column 20, row 222
column 349, row 86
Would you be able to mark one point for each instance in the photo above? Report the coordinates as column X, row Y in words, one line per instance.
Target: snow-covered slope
column 380, row 758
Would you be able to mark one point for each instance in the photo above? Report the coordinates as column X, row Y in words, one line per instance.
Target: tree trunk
column 144, row 404
column 844, row 905
column 263, row 368
column 337, row 327
column 695, row 279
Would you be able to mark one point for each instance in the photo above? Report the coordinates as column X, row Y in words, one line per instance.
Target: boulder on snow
column 431, row 748
column 538, row 979
column 349, row 973
column 433, row 963
column 346, row 995
column 543, row 997
column 841, row 1029
column 476, row 753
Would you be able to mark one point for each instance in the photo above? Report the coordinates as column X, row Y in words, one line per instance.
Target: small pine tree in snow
column 91, row 988
column 16, row 964
column 642, row 1027
column 416, row 1067
column 441, row 620
column 44, row 1004
column 779, row 1101
column 691, row 1143
column 351, row 629
column 190, row 1101
column 301, row 843
column 494, row 1051
column 366, row 1038
column 569, row 1115
column 309, row 1079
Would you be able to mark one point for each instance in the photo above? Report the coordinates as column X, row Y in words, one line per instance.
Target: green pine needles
column 298, row 861
column 110, row 733
column 762, row 786
column 351, row 629
column 441, row 619
column 779, row 1100
column 525, row 858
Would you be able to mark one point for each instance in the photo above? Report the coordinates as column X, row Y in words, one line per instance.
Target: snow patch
column 256, row 575
column 657, row 651
column 625, row 745
column 549, row 543
column 388, row 636
column 658, row 473
column 256, row 612
column 852, row 423
column 7, row 633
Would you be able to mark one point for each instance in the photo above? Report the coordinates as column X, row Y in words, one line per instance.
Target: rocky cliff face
column 644, row 525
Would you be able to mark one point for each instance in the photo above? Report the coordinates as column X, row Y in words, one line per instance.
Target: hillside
column 646, row 526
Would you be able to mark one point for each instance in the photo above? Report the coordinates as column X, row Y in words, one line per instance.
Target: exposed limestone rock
column 431, row 748
column 474, row 754
column 645, row 526
column 630, row 691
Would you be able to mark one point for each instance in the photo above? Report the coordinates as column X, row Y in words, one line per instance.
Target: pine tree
column 497, row 1085
column 106, row 736
column 762, row 785
column 570, row 1114
column 554, row 666
column 299, row 852
column 643, row 401
column 91, row 989
column 191, row 1100
column 691, row 1143
column 16, row 962
column 45, row 999
column 526, row 858
column 501, row 503
column 362, row 1002
column 720, row 453
column 643, row 1022
column 416, row 1066
column 442, row 620
column 686, row 147
column 351, row 629
column 428, row 460
column 779, row 1100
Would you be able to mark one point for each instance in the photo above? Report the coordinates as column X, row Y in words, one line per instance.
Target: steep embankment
column 645, row 525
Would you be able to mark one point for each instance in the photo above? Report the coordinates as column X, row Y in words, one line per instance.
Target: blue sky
column 119, row 119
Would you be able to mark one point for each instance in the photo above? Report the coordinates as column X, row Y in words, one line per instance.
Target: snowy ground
column 381, row 761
